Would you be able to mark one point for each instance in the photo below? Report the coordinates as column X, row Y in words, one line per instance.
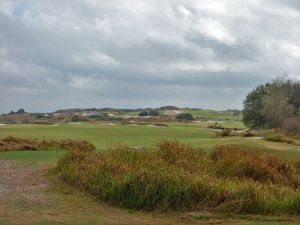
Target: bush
column 153, row 113
column 144, row 113
column 226, row 133
column 184, row 116
column 179, row 177
column 248, row 133
column 216, row 126
column 75, row 118
column 278, row 138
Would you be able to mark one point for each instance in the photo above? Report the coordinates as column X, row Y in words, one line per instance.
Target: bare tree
column 276, row 108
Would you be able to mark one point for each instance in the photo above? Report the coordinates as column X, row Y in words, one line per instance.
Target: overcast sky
column 189, row 53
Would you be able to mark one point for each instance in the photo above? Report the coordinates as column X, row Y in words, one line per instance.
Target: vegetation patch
column 11, row 143
column 218, row 126
column 229, row 132
column 174, row 176
column 280, row 135
column 279, row 138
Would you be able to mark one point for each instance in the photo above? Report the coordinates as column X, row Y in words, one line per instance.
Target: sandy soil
column 22, row 183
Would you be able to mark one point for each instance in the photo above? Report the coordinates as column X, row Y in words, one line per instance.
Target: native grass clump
column 174, row 176
column 11, row 143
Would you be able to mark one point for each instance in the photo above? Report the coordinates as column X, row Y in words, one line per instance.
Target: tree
column 270, row 104
column 276, row 108
column 295, row 97
column 252, row 114
column 291, row 125
column 75, row 118
column 144, row 113
column 184, row 116
column 153, row 113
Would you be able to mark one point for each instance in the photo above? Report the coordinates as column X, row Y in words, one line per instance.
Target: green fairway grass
column 32, row 156
column 105, row 136
column 211, row 115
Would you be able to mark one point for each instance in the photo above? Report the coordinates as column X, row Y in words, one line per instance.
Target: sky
column 58, row 54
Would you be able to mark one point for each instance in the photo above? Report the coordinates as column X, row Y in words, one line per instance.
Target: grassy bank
column 178, row 177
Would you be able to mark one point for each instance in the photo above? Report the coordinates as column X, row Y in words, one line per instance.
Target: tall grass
column 11, row 143
column 174, row 176
column 235, row 163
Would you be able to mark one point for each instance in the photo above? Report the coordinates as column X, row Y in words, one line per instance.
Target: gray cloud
column 88, row 53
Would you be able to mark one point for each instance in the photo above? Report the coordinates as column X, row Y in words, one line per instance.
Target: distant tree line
column 149, row 113
column 273, row 105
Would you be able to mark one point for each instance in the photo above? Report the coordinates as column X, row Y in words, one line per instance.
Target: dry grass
column 234, row 162
column 11, row 143
column 174, row 176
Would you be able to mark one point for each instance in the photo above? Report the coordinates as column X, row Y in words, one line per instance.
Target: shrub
column 76, row 144
column 278, row 138
column 153, row 113
column 216, row 126
column 144, row 113
column 179, row 177
column 248, row 133
column 184, row 116
column 226, row 132
column 76, row 118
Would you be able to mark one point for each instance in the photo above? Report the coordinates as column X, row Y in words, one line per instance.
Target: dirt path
column 21, row 183
column 28, row 197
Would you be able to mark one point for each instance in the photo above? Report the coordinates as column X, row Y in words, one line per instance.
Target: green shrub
column 153, row 113
column 144, row 113
column 184, row 116
column 278, row 138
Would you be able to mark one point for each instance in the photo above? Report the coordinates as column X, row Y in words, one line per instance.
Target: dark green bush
column 184, row 116
column 153, row 113
column 144, row 113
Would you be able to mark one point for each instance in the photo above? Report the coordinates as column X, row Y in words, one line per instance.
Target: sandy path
column 19, row 182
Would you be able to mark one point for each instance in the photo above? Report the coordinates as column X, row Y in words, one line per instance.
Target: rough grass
column 174, row 176
column 11, row 143
column 279, row 138
column 233, row 162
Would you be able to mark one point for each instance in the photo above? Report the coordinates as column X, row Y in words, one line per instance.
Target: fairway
column 105, row 136
column 32, row 156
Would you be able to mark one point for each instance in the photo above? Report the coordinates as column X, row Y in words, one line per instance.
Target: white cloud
column 93, row 58
column 215, row 29
column 187, row 66
column 290, row 49
column 6, row 7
